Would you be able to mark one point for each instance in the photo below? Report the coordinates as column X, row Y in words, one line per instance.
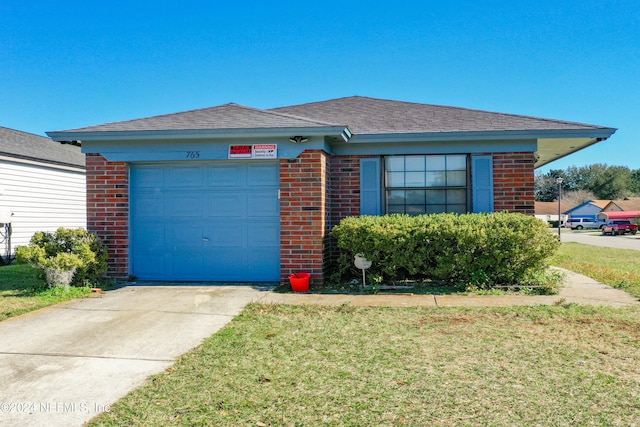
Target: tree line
column 592, row 182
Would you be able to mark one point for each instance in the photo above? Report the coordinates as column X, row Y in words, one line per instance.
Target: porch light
column 298, row 139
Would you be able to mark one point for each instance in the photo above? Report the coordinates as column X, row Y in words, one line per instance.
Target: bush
column 66, row 249
column 478, row 249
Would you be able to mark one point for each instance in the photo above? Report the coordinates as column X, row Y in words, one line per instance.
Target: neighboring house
column 42, row 187
column 548, row 211
column 233, row 193
column 589, row 209
column 628, row 208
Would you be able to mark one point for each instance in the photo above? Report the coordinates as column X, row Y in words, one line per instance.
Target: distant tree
column 546, row 186
column 635, row 182
column 612, row 182
column 577, row 197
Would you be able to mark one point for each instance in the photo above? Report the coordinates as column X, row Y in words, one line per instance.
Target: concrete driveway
column 63, row 365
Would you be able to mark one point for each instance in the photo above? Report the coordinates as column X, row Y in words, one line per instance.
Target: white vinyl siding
column 41, row 198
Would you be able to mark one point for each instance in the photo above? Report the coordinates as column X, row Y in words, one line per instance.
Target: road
column 595, row 237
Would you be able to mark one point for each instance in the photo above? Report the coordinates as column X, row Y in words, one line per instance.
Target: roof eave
column 68, row 136
column 598, row 134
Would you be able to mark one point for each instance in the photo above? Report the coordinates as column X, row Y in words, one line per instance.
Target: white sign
column 256, row 151
column 265, row 151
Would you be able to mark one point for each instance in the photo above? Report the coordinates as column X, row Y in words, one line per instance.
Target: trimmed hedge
column 481, row 249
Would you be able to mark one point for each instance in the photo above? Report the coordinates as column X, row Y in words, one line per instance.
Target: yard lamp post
column 559, row 181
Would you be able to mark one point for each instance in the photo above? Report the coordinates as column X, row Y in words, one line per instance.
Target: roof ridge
column 24, row 132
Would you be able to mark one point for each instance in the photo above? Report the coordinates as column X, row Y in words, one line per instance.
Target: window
column 426, row 184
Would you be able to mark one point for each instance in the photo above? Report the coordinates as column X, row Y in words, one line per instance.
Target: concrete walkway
column 578, row 289
column 62, row 365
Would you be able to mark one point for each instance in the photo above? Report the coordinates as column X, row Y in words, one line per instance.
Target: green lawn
column 21, row 291
column 619, row 268
column 278, row 365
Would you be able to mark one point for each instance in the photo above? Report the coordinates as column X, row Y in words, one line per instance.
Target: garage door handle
column 204, row 239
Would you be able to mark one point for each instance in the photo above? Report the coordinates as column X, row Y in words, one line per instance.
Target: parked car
column 584, row 223
column 619, row 226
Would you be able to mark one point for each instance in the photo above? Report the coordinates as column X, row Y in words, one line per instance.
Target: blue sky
column 67, row 64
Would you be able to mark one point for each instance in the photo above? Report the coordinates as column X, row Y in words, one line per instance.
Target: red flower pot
column 300, row 282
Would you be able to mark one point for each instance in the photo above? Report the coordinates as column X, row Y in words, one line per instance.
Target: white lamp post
column 559, row 181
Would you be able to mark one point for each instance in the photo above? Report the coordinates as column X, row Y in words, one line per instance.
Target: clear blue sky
column 67, row 64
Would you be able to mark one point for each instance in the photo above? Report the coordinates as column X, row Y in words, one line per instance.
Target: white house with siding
column 42, row 187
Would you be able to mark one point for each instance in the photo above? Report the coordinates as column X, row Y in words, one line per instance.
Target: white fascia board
column 600, row 133
column 61, row 136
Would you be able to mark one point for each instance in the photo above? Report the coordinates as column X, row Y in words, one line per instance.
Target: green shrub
column 65, row 249
column 478, row 249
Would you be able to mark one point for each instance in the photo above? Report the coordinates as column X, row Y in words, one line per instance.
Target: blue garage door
column 205, row 222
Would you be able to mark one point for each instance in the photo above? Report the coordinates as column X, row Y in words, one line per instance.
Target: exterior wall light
column 298, row 139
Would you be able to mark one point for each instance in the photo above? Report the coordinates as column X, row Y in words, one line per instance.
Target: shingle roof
column 362, row 115
column 549, row 208
column 366, row 115
column 628, row 204
column 28, row 146
column 227, row 116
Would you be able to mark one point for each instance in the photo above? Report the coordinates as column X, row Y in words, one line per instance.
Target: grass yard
column 278, row 365
column 21, row 291
column 619, row 268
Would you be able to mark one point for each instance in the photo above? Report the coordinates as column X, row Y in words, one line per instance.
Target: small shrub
column 482, row 250
column 67, row 249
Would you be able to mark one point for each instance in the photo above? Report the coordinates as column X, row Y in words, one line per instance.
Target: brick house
column 233, row 193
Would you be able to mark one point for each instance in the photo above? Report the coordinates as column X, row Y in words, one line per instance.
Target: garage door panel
column 151, row 238
column 226, row 235
column 227, row 205
column 205, row 222
column 150, row 267
column 184, row 176
column 184, row 206
column 225, row 176
column 263, row 176
column 263, row 234
column 181, row 235
column 185, row 265
column 148, row 206
column 148, row 177
column 263, row 204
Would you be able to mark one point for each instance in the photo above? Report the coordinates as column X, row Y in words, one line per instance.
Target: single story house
column 589, row 209
column 234, row 193
column 548, row 211
column 42, row 187
column 627, row 208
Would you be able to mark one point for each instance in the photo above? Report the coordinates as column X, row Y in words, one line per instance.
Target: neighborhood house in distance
column 42, row 187
column 234, row 193
column 592, row 214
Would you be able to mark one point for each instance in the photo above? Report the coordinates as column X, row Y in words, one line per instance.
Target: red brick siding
column 344, row 187
column 513, row 182
column 304, row 214
column 108, row 210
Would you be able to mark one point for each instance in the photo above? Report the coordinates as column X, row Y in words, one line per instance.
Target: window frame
column 387, row 187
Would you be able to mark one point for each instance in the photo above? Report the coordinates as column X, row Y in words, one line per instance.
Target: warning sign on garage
column 265, row 151
column 257, row 151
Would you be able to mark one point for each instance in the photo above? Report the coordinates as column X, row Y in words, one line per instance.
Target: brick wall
column 108, row 210
column 304, row 214
column 513, row 182
column 344, row 187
